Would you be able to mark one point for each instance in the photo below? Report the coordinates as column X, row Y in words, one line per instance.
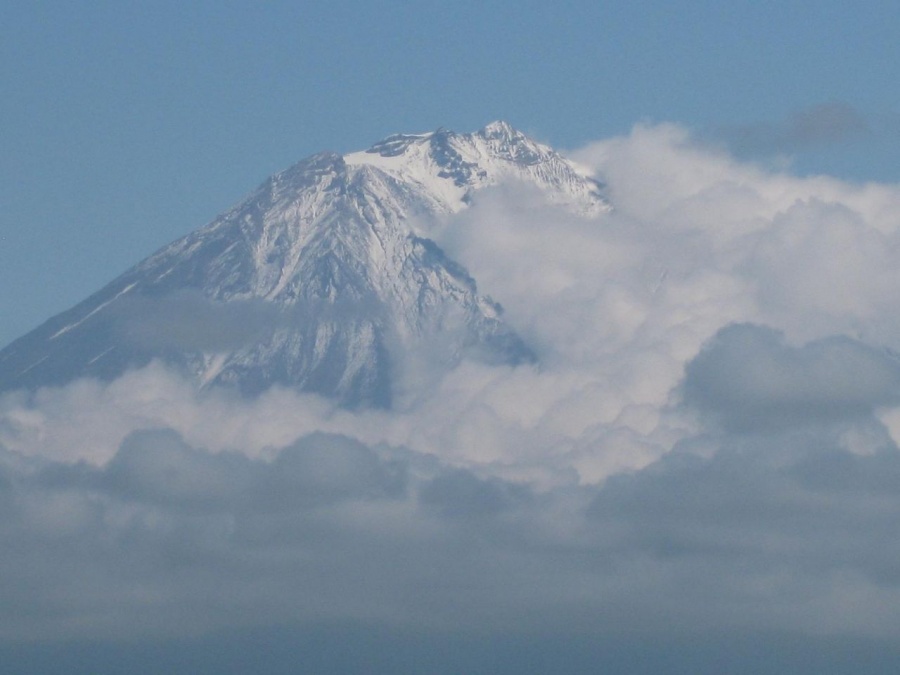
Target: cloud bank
column 707, row 443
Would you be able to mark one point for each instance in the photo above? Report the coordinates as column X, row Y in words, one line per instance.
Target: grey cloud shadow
column 158, row 468
column 460, row 494
column 815, row 510
column 747, row 378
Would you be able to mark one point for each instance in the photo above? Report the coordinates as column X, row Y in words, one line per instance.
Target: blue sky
column 126, row 125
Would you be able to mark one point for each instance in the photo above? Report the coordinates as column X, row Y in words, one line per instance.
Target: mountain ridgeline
column 324, row 279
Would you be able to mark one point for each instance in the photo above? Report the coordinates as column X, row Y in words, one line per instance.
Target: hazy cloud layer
column 786, row 532
column 822, row 124
column 707, row 442
column 186, row 321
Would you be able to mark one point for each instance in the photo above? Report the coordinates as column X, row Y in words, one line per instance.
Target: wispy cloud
column 818, row 125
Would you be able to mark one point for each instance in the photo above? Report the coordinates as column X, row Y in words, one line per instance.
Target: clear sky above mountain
column 123, row 125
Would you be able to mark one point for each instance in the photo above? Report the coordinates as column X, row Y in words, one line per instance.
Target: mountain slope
column 323, row 279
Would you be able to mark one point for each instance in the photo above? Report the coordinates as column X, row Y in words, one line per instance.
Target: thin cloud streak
column 808, row 128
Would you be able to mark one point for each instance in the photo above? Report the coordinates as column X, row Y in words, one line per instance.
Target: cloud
column 169, row 540
column 158, row 468
column 324, row 469
column 817, row 125
column 747, row 379
column 799, row 530
column 188, row 321
column 459, row 493
column 708, row 440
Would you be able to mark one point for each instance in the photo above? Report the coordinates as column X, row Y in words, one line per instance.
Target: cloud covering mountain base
column 707, row 442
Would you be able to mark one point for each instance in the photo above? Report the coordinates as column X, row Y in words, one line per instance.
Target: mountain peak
column 500, row 129
column 323, row 279
column 453, row 166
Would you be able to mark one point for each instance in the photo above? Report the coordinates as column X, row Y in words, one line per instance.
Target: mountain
column 324, row 278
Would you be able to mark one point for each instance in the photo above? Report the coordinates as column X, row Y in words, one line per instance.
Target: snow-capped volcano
column 450, row 167
column 323, row 279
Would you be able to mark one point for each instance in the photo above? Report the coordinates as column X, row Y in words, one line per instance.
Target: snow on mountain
column 450, row 167
column 323, row 279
